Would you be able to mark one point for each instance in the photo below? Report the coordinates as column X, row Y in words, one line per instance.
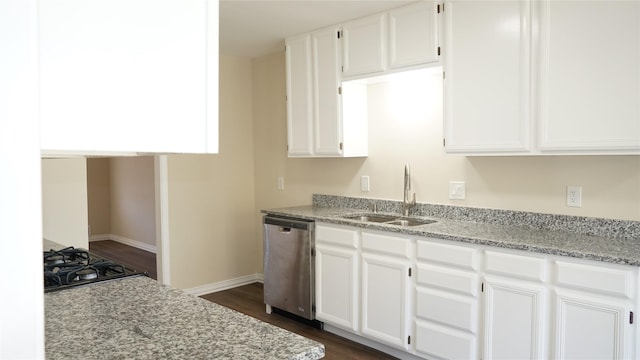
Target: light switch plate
column 364, row 183
column 456, row 190
column 280, row 183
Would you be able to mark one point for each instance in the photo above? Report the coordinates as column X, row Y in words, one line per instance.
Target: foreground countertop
column 554, row 242
column 137, row 318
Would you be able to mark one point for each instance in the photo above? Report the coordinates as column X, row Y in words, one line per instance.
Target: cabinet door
column 336, row 286
column 299, row 96
column 589, row 75
column 363, row 46
column 126, row 76
column 385, row 282
column 589, row 327
column 513, row 320
column 486, row 86
column 326, row 80
column 413, row 35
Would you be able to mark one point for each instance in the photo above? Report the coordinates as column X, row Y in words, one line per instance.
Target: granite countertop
column 136, row 317
column 619, row 250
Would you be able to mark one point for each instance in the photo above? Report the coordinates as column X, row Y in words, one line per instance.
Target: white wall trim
column 371, row 343
column 161, row 184
column 123, row 240
column 225, row 284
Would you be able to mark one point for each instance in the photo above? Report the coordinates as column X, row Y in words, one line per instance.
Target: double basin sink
column 389, row 219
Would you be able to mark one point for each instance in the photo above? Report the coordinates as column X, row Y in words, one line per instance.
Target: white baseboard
column 225, row 284
column 123, row 240
column 370, row 343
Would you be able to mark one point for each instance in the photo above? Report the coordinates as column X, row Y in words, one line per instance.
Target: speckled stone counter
column 617, row 242
column 137, row 318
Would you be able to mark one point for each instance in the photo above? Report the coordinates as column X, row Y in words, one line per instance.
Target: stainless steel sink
column 372, row 218
column 410, row 222
column 389, row 219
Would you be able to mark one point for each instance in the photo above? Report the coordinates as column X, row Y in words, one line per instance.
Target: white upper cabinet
column 413, row 34
column 299, row 95
column 128, row 76
column 364, row 45
column 486, row 86
column 590, row 75
column 315, row 120
column 542, row 77
column 403, row 37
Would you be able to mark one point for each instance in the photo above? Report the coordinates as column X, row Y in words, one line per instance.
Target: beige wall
column 211, row 197
column 121, row 200
column 132, row 198
column 98, row 195
column 403, row 131
column 64, row 201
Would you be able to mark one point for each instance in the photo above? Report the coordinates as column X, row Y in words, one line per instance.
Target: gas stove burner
column 54, row 260
column 71, row 267
column 87, row 274
column 66, row 255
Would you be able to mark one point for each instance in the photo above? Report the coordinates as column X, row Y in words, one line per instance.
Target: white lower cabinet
column 514, row 306
column 438, row 299
column 385, row 288
column 594, row 307
column 337, row 276
column 513, row 320
column 446, row 292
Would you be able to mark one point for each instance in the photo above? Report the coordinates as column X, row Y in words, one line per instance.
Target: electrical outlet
column 364, row 183
column 574, row 196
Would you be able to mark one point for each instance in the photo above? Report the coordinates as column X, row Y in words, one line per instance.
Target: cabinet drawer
column 439, row 341
column 603, row 279
column 461, row 256
column 453, row 280
column 388, row 245
column 457, row 311
column 337, row 236
column 526, row 267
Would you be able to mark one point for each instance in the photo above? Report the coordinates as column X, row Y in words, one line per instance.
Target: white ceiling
column 252, row 28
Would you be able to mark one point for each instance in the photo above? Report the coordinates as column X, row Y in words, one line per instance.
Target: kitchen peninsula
column 136, row 317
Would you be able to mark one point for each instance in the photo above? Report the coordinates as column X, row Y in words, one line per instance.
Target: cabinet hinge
column 444, row 142
column 409, row 272
column 409, row 339
column 630, row 317
column 313, row 252
column 482, row 287
column 339, row 90
column 340, row 146
column 438, row 50
column 438, row 7
column 339, row 34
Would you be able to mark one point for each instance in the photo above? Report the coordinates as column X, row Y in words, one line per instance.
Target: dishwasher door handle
column 284, row 229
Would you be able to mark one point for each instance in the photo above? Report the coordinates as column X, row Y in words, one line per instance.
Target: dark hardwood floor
column 129, row 256
column 246, row 299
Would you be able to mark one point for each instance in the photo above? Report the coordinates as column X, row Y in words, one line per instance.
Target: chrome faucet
column 406, row 203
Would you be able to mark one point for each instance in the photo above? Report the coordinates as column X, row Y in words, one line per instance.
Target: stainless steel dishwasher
column 289, row 265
